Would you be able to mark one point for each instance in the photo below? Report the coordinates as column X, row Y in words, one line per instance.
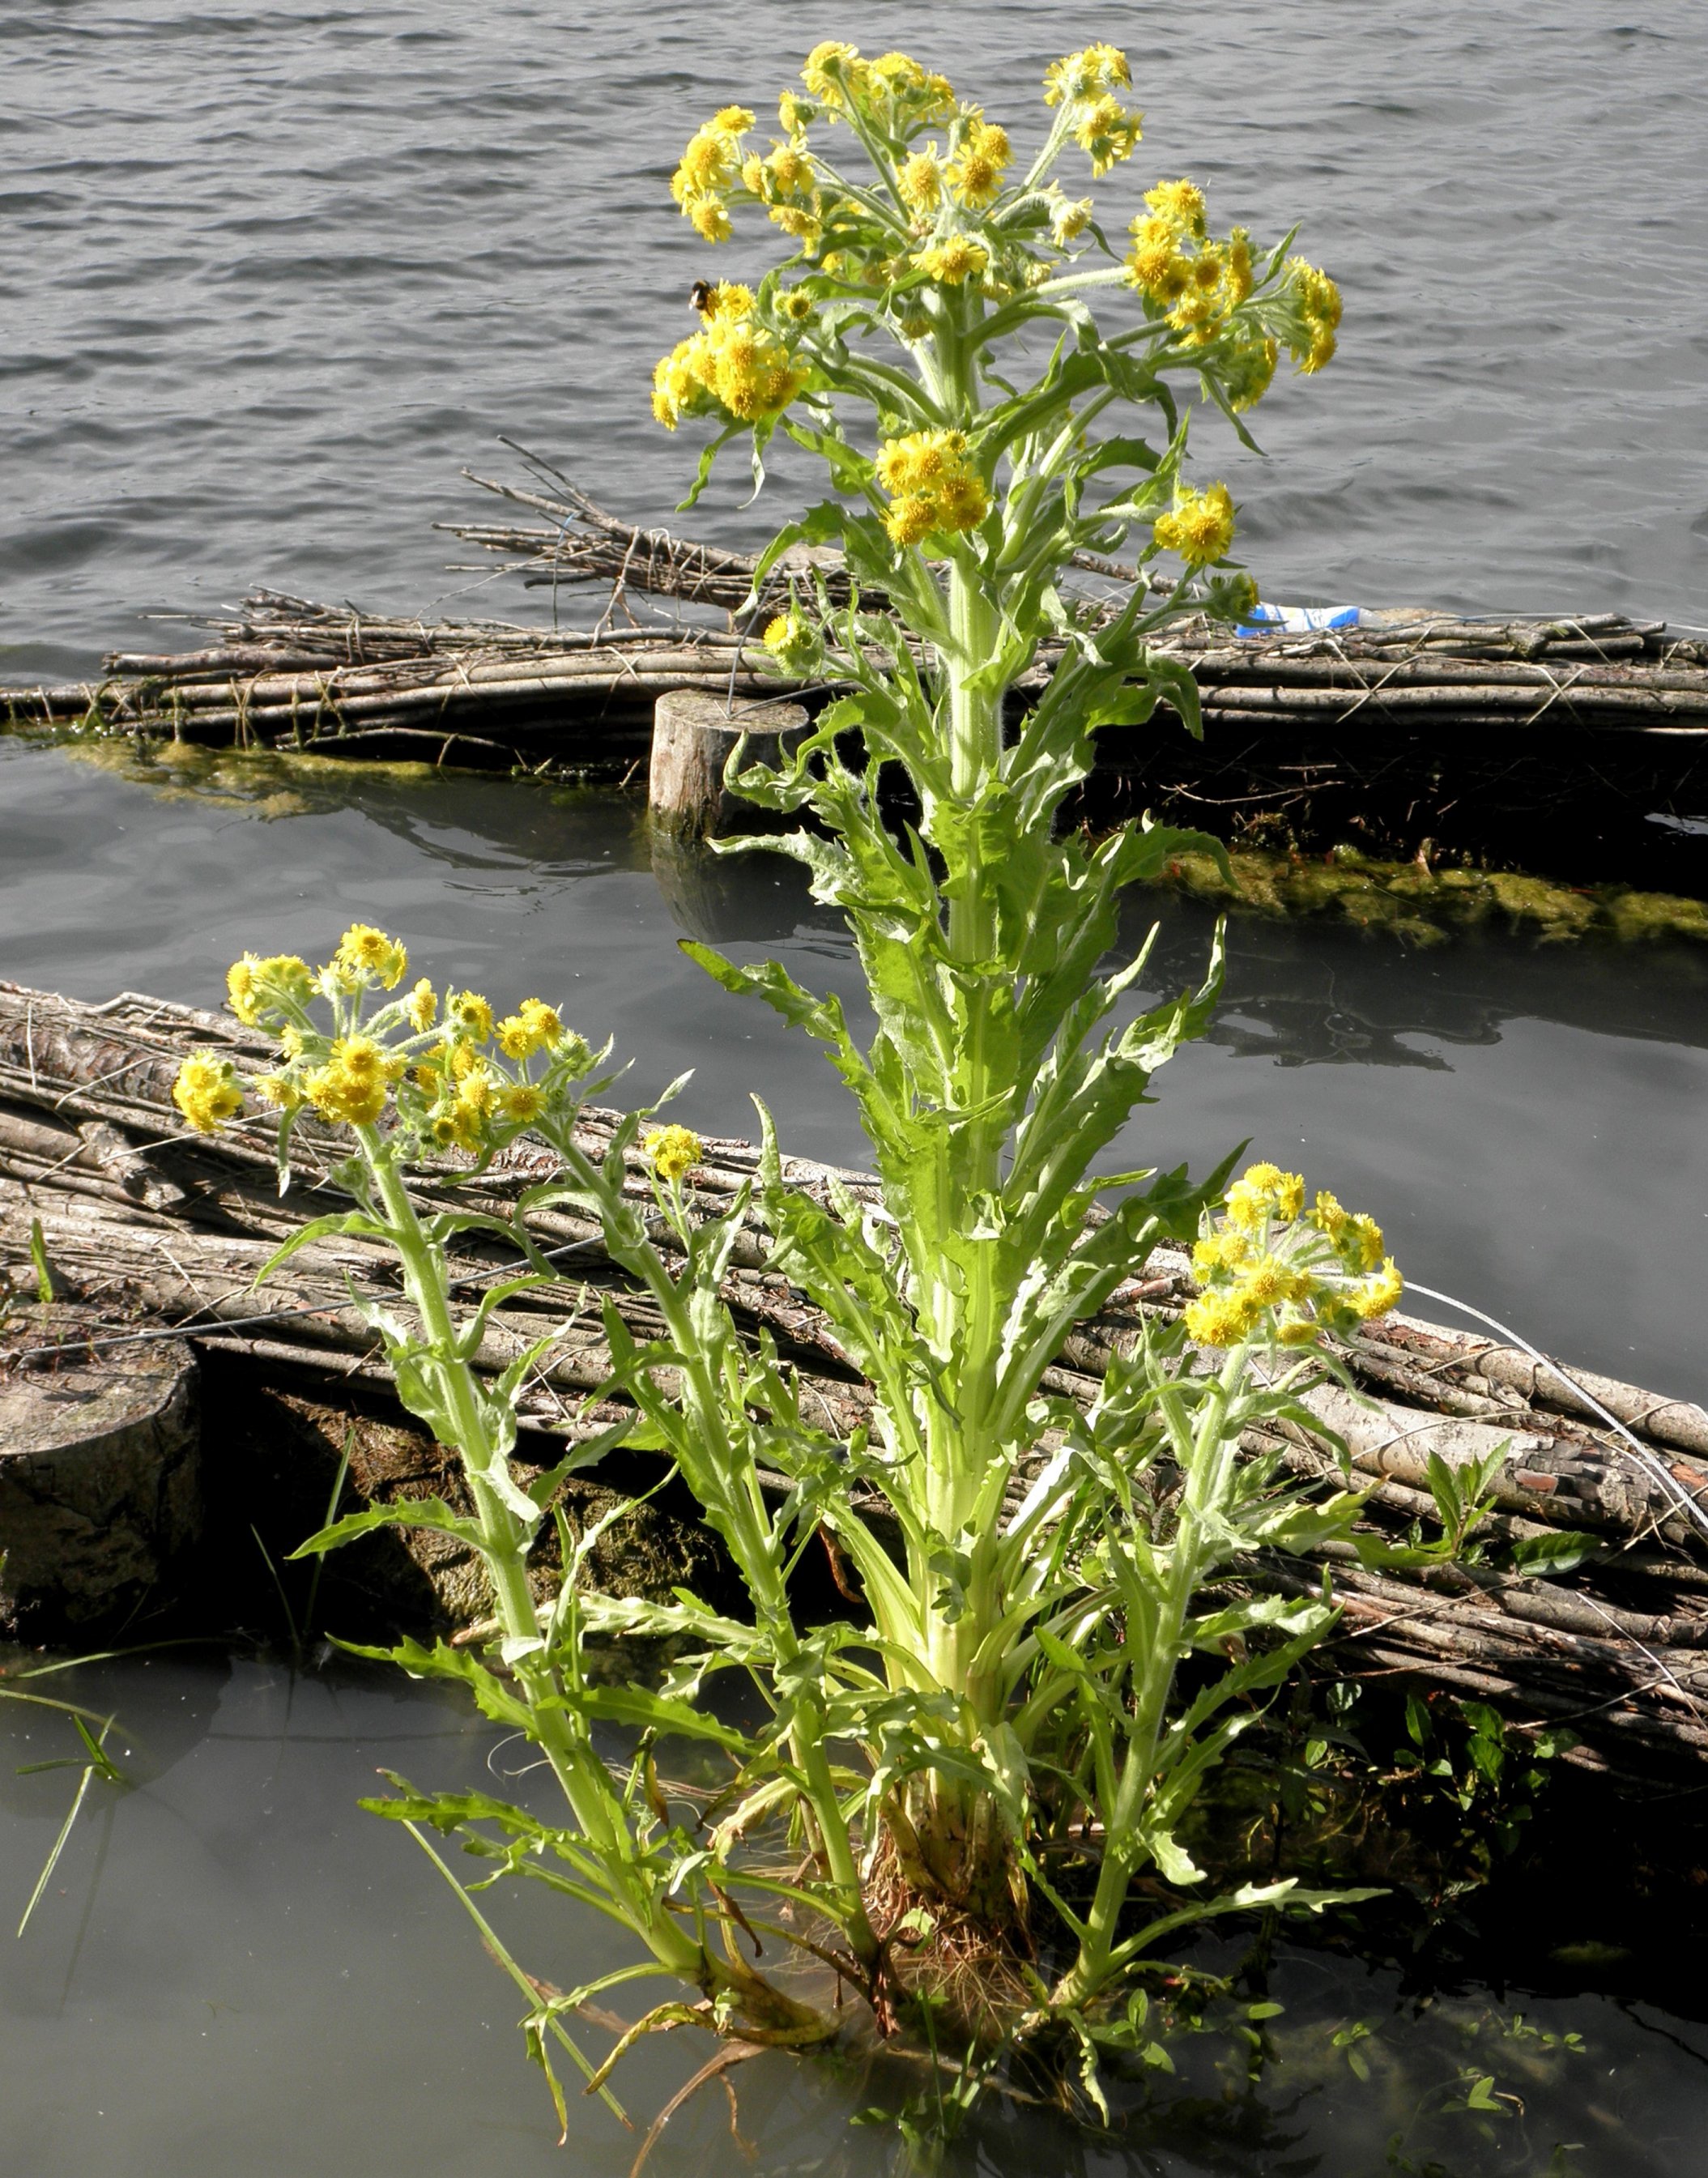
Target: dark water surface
column 270, row 276
column 237, row 1971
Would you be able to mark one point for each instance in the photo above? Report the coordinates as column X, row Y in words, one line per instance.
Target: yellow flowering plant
column 992, row 1748
column 943, row 362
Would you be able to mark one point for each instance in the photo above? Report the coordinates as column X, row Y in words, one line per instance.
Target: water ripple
column 272, row 275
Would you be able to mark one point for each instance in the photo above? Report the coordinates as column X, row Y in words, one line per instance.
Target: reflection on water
column 237, row 1970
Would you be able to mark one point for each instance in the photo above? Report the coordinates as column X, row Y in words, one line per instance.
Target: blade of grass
column 284, row 1600
column 100, row 1764
column 331, row 1515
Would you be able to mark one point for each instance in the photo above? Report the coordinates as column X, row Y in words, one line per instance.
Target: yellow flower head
column 207, row 1091
column 1079, row 77
column 1266, row 1281
column 727, row 303
column 544, row 1023
column 421, row 1007
column 792, row 640
column 278, row 1090
column 673, row 1151
column 533, row 1027
column 915, row 96
column 831, row 71
column 1249, row 371
column 1264, row 1191
column 712, row 161
column 1107, row 132
column 954, row 262
column 1201, row 527
column 1068, row 217
column 679, row 384
column 470, row 1013
column 351, row 1088
column 932, row 485
column 259, row 986
column 1317, row 305
column 710, row 218
column 523, row 1102
column 1220, row 1319
column 1221, row 1251
column 980, row 159
column 1379, row 1293
column 1180, row 205
column 921, row 180
column 365, row 956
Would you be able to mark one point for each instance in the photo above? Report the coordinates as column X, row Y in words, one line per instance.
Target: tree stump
column 100, row 1477
column 692, row 736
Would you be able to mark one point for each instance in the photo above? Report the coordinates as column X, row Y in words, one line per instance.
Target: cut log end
column 100, row 1479
column 693, row 735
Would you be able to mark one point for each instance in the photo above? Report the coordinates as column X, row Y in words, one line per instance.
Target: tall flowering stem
column 931, row 338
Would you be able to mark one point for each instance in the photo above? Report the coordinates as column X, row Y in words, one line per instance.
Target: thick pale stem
column 580, row 1773
column 1200, row 1519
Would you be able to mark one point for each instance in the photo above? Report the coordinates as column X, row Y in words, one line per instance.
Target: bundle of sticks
column 283, row 671
column 161, row 1229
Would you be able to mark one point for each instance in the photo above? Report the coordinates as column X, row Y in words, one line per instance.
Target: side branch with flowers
column 992, row 1746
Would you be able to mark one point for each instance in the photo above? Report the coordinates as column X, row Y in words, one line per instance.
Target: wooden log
column 694, row 734
column 100, row 1479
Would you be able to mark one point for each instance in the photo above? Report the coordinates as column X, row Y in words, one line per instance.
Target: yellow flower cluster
column 1317, row 301
column 783, row 182
column 710, row 167
column 351, row 1088
column 258, row 988
column 366, row 956
column 1086, row 84
column 953, row 262
column 894, row 90
column 733, row 363
column 206, row 1092
column 981, row 158
column 1200, row 526
column 1273, row 1270
column 932, row 485
column 673, row 1153
column 533, row 1027
column 1079, row 78
column 1172, row 262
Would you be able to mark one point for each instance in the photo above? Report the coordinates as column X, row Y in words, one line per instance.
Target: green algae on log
column 1426, row 906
